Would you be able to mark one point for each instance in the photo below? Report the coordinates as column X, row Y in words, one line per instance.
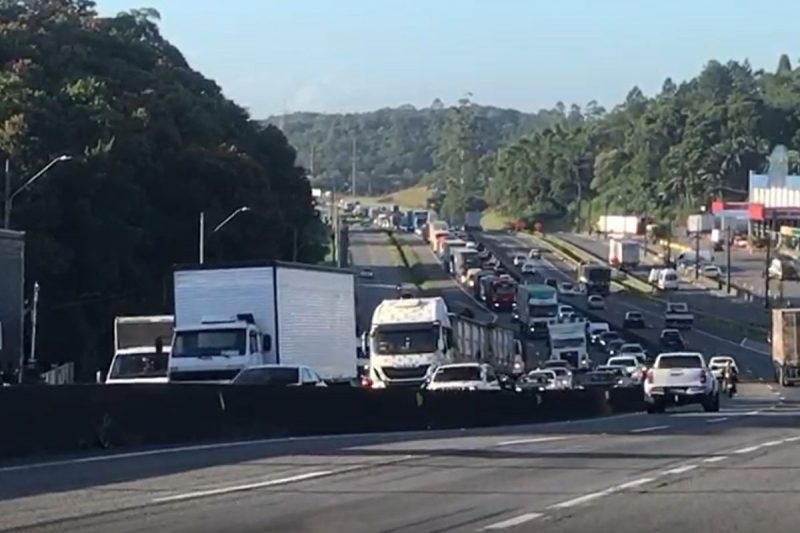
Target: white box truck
column 618, row 224
column 141, row 349
column 623, row 253
column 231, row 318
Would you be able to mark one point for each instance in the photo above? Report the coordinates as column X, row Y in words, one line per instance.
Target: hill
column 394, row 146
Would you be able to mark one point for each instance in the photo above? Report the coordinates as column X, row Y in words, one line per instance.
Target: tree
column 784, row 65
column 154, row 143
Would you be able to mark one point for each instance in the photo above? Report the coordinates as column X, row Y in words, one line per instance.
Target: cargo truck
column 500, row 293
column 700, row 223
column 567, row 341
column 231, row 318
column 141, row 349
column 619, row 225
column 623, row 253
column 594, row 278
column 536, row 309
column 409, row 338
column 785, row 342
column 464, row 259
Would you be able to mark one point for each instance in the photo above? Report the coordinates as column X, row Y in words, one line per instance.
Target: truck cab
column 677, row 315
column 568, row 343
column 218, row 349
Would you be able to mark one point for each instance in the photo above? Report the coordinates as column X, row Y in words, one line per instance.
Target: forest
column 153, row 143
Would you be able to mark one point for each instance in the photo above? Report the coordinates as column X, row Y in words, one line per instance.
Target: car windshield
column 559, row 371
column 634, row 316
column 209, row 342
column 457, row 373
column 130, row 366
column 560, row 344
column 400, row 341
column 566, row 286
column 609, row 336
column 671, row 335
column 268, row 376
column 680, row 361
column 631, row 348
column 626, row 361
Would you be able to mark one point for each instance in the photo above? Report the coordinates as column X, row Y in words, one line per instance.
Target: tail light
column 650, row 377
column 703, row 377
column 366, row 382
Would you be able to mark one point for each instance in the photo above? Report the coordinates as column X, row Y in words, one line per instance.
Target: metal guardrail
column 60, row 375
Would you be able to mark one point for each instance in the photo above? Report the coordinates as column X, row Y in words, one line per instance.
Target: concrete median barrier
column 41, row 420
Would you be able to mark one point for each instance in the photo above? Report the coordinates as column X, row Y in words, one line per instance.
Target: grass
column 413, row 197
column 493, row 220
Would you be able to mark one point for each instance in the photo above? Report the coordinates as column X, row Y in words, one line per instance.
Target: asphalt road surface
column 753, row 363
column 697, row 295
column 736, row 470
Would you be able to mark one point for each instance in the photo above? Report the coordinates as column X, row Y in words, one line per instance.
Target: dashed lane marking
column 649, row 429
column 512, row 522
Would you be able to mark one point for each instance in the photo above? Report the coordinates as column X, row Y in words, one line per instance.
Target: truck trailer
column 231, row 318
column 624, row 253
column 785, row 342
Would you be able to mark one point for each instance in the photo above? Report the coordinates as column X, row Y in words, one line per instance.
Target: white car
column 519, row 259
column 465, row 376
column 633, row 348
column 563, row 377
column 718, row 363
column 528, row 268
column 564, row 309
column 595, row 301
column 567, row 288
column 711, row 271
column 539, row 380
column 630, row 363
column 534, row 253
column 595, row 329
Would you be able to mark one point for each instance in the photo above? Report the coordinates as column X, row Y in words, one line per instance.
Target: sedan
column 528, row 268
column 535, row 253
column 711, row 271
column 595, row 301
column 613, row 347
column 672, row 339
column 519, row 260
column 633, row 320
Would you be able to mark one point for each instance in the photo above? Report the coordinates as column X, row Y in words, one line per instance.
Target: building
column 12, row 283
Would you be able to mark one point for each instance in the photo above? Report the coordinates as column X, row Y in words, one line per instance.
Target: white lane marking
column 646, row 430
column 530, row 441
column 511, row 522
column 773, row 443
column 717, row 420
column 792, row 439
column 636, row 483
column 241, row 488
column 583, row 499
column 680, row 470
column 716, row 459
column 749, row 449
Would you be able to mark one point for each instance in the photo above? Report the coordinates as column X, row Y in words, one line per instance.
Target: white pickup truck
column 680, row 378
column 677, row 315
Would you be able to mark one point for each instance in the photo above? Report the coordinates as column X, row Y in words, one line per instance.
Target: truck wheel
column 711, row 404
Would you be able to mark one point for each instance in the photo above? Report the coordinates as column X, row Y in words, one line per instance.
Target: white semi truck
column 228, row 319
column 409, row 338
column 568, row 343
column 141, row 349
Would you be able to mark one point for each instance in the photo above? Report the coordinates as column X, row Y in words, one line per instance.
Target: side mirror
column 267, row 343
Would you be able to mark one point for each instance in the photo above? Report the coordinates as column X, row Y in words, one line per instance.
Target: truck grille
column 203, row 375
column 416, row 372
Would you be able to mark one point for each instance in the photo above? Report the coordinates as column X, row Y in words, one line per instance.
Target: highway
column 682, row 471
column 702, row 296
column 755, row 364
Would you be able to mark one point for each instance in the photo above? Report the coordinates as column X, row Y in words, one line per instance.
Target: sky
column 272, row 56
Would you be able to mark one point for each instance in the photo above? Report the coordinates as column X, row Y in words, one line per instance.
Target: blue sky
column 358, row 55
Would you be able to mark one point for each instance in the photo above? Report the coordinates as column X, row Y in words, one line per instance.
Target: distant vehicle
column 623, row 378
column 366, row 273
column 564, row 308
column 600, row 379
column 536, row 308
column 279, row 376
column 680, row 378
column 528, row 268
column 595, row 278
column 595, row 301
column 595, row 330
column 607, row 337
column 567, row 342
column 633, row 349
column 612, row 347
column 535, row 253
column 623, row 253
column 784, row 341
column 567, row 288
column 630, row 363
column 551, row 282
column 677, row 315
column 668, row 279
column 719, row 363
column 540, row 380
column 633, row 320
column 519, row 259
column 672, row 339
column 556, row 363
column 711, row 271
column 783, row 269
column 461, row 377
column 141, row 349
column 563, row 377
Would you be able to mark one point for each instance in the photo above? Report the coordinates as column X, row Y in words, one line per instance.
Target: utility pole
column 311, row 162
column 580, row 195
column 669, row 243
column 7, row 197
column 768, row 260
column 34, row 323
column 696, row 255
column 728, row 257
column 353, row 169
column 202, row 238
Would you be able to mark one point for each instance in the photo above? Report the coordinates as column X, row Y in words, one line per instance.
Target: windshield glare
column 268, row 376
column 567, row 343
column 422, row 340
column 225, row 342
column 458, row 373
column 543, row 310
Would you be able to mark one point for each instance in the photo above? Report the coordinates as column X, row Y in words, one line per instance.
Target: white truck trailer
column 141, row 349
column 409, row 338
column 624, row 253
column 231, row 318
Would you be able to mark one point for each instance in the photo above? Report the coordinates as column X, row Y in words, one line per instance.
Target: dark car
column 633, row 320
column 672, row 339
column 612, row 348
column 552, row 282
column 600, row 378
column 607, row 337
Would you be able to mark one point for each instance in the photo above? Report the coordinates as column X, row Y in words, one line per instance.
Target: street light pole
column 219, row 226
column 9, row 196
column 696, row 255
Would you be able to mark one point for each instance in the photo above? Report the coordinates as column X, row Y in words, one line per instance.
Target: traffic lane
column 459, row 298
column 750, row 492
column 753, row 363
column 699, row 296
column 439, row 485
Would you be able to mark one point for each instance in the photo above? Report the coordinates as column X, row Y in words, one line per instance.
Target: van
column 667, row 279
